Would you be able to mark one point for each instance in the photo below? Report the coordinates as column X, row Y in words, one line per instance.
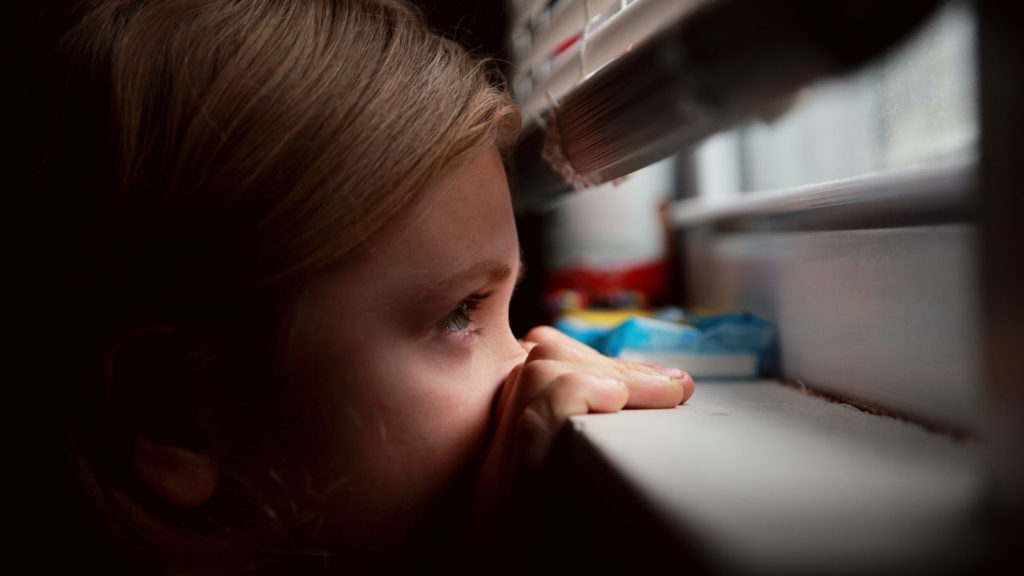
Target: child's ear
column 158, row 395
column 180, row 476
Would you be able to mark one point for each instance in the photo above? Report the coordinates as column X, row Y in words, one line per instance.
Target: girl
column 291, row 299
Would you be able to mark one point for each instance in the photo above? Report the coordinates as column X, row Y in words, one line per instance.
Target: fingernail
column 675, row 373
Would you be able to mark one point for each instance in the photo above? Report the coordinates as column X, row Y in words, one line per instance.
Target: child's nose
column 514, row 351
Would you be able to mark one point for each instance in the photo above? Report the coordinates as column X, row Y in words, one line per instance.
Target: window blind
column 558, row 44
column 610, row 86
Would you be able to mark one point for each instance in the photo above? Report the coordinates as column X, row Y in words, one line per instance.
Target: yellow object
column 605, row 318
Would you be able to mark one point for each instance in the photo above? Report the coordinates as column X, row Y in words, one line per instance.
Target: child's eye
column 460, row 319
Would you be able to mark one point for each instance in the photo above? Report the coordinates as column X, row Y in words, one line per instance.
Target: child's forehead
column 469, row 196
column 467, row 210
column 463, row 228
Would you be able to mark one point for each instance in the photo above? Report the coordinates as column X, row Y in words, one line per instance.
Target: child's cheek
column 452, row 353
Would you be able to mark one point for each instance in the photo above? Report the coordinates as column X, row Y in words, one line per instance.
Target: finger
column 541, row 333
column 648, row 388
column 583, row 393
column 568, row 395
column 675, row 373
column 550, row 344
column 561, row 351
column 688, row 387
column 653, row 391
column 651, row 388
column 505, row 394
column 525, row 384
column 527, row 345
column 536, row 377
column 554, row 337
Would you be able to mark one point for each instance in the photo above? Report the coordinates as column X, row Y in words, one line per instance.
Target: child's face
column 408, row 347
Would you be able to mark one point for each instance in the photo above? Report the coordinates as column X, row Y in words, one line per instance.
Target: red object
column 566, row 44
column 648, row 279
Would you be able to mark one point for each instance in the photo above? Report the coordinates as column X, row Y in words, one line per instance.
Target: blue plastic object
column 735, row 345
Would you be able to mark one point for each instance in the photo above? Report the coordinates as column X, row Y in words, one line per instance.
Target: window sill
column 760, row 478
column 929, row 194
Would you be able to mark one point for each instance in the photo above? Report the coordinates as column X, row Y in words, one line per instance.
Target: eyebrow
column 492, row 269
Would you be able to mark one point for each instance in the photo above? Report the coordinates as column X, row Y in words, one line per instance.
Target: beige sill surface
column 769, row 479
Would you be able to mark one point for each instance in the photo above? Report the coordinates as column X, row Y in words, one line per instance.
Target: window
column 916, row 106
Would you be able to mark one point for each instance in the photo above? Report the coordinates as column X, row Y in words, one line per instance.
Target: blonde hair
column 246, row 147
column 308, row 124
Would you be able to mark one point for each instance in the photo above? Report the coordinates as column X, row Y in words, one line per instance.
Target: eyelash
column 459, row 320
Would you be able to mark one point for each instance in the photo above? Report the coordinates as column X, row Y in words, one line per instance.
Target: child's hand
column 560, row 378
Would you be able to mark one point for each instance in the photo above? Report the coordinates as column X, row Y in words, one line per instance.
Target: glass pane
column 916, row 105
